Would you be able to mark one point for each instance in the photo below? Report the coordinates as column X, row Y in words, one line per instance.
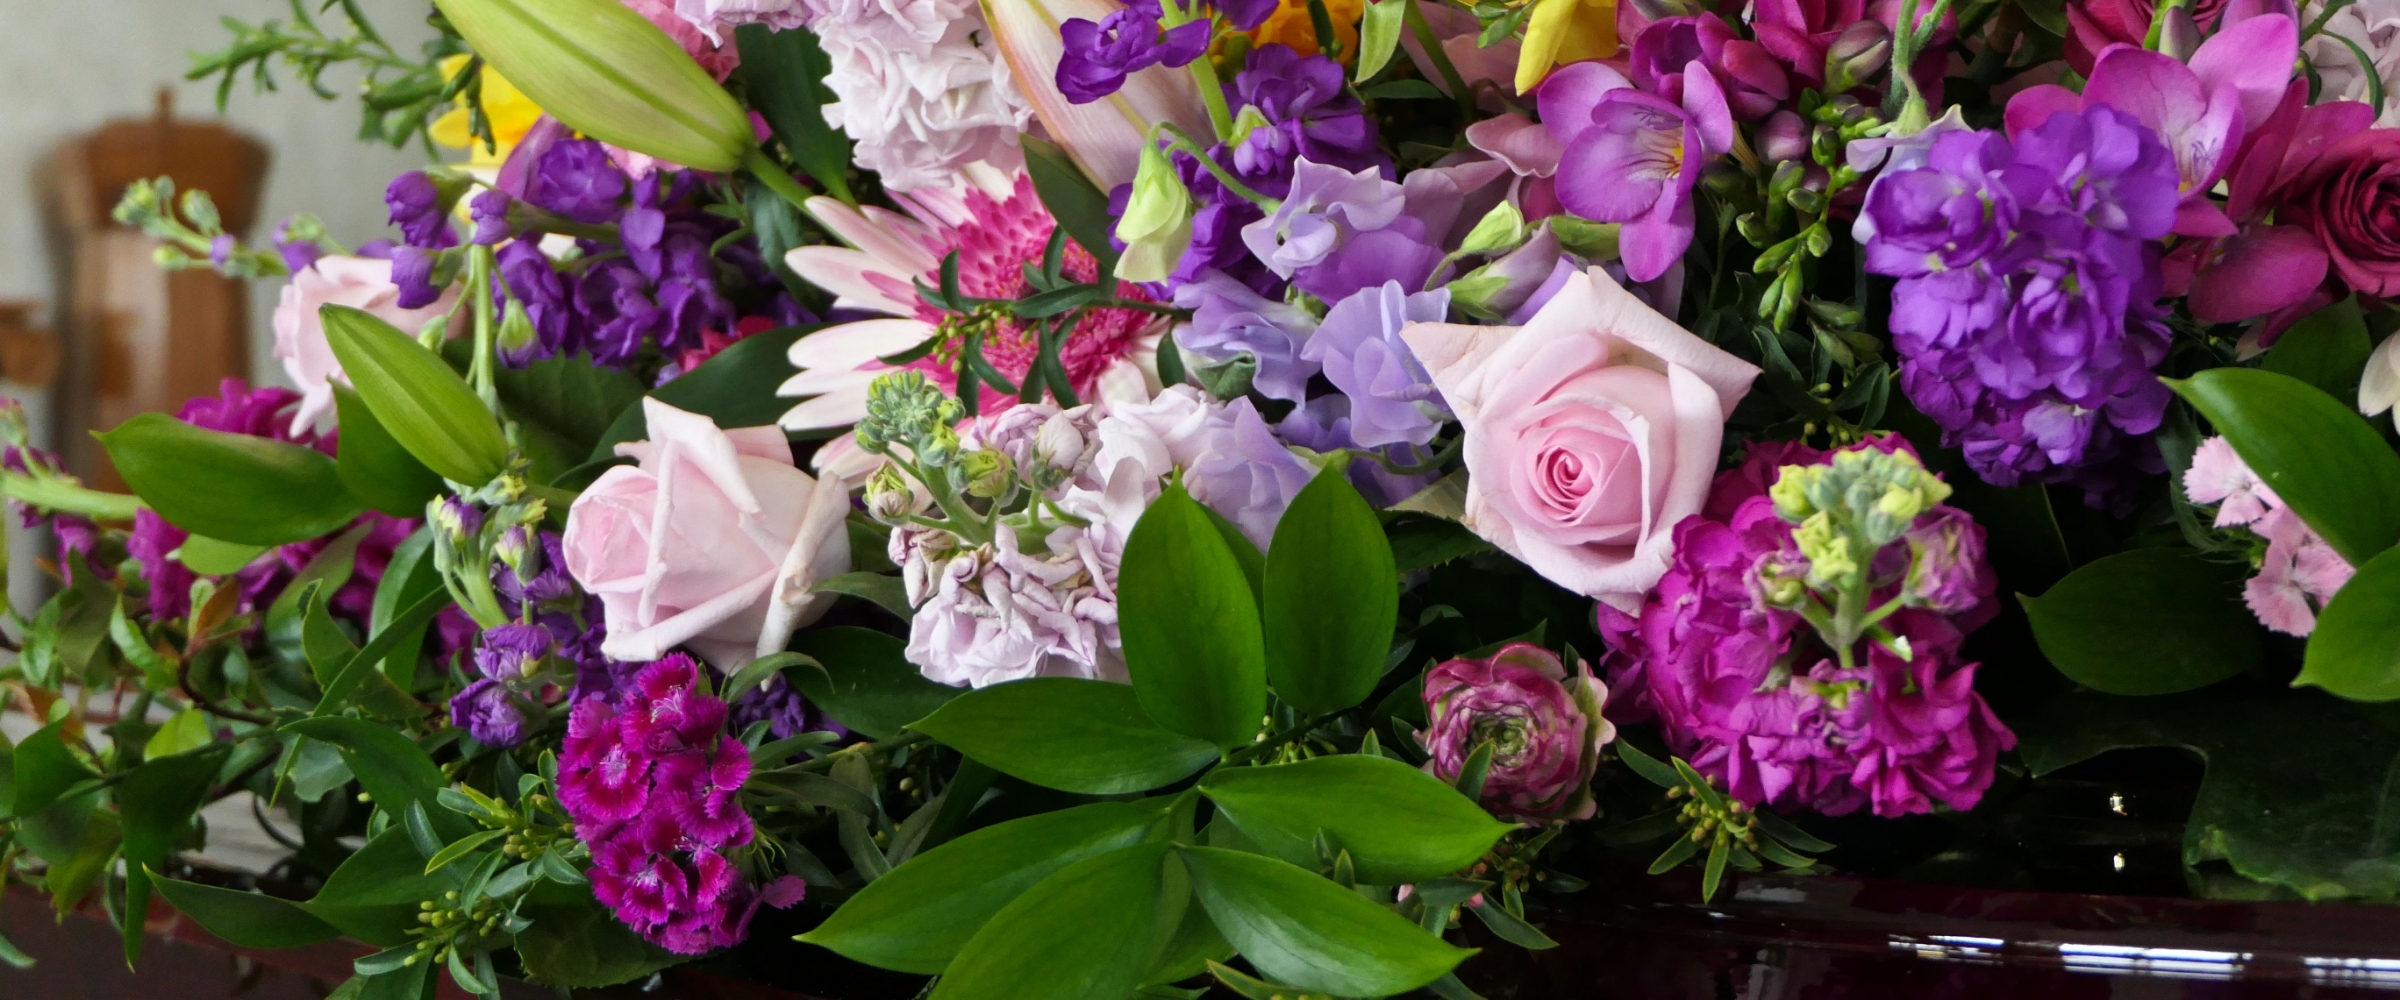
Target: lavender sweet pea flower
column 1099, row 56
column 1544, row 726
column 1632, row 157
column 1392, row 399
column 1229, row 319
column 1340, row 231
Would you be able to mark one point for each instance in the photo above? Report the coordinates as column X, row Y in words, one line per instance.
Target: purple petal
column 2262, row 269
column 2253, row 57
column 1567, row 98
column 2034, row 105
column 1654, row 242
column 1704, row 101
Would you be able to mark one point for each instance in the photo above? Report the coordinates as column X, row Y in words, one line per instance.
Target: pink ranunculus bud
column 1544, row 725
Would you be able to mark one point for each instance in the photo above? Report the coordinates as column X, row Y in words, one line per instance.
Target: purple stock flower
column 2026, row 316
column 298, row 255
column 1099, row 56
column 421, row 208
column 785, row 711
column 575, row 178
column 1633, row 157
column 1392, row 399
column 490, row 212
column 1303, row 97
column 220, row 249
column 412, row 271
column 1544, row 726
column 488, row 711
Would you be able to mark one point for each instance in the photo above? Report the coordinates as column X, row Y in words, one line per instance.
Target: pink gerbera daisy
column 998, row 227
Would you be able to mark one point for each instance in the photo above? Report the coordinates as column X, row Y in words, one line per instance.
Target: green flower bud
column 1500, row 229
column 1827, row 550
column 517, row 337
column 1790, row 491
column 609, row 73
column 888, row 495
column 1157, row 224
column 988, row 473
column 940, row 447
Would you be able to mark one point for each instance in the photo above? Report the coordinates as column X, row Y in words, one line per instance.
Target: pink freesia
column 714, row 539
column 1530, row 152
column 1590, row 431
column 1632, row 157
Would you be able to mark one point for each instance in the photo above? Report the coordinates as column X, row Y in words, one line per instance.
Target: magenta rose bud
column 1544, row 726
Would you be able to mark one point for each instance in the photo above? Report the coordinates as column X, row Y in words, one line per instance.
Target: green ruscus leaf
column 2147, row 621
column 2355, row 650
column 1398, row 823
column 1067, row 733
column 1332, row 594
column 1299, row 928
column 233, row 487
column 2320, row 456
column 1193, row 642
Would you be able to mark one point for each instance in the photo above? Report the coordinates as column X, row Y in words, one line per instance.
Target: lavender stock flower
column 420, row 206
column 1099, row 56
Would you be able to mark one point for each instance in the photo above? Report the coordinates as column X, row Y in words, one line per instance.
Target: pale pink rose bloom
column 358, row 282
column 2299, row 576
column 1590, row 431
column 714, row 540
column 2218, row 476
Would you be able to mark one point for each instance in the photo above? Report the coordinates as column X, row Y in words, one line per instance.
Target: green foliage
column 1067, row 733
column 246, row 919
column 415, row 396
column 391, row 767
column 1296, row 927
column 860, row 677
column 786, row 71
column 1192, row 637
column 1080, row 208
column 574, row 942
column 2318, row 454
column 233, row 487
column 400, row 95
column 918, row 917
column 1330, row 598
column 2355, row 650
column 1398, row 823
column 2147, row 621
column 373, row 465
column 45, row 771
column 1090, row 930
column 2327, row 349
column 736, row 388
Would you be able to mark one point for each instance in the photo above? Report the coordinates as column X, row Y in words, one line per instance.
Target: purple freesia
column 1632, row 157
column 1099, row 56
column 1392, row 399
column 1672, row 51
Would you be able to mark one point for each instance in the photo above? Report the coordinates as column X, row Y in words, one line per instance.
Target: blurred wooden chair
column 135, row 338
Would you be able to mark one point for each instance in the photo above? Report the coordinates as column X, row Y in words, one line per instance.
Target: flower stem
column 479, row 285
column 778, row 180
column 1185, row 143
column 1204, row 74
column 67, row 498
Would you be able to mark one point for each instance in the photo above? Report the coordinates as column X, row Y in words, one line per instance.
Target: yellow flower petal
column 1565, row 31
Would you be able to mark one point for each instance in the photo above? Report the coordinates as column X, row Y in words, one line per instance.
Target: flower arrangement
column 1082, row 499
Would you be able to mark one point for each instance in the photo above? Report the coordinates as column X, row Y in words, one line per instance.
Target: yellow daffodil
column 1290, row 25
column 512, row 114
column 1565, row 31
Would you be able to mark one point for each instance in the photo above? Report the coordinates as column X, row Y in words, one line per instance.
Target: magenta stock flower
column 1632, row 157
column 1544, row 726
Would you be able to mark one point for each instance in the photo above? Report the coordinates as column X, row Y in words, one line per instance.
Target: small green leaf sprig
column 1703, row 817
column 197, row 238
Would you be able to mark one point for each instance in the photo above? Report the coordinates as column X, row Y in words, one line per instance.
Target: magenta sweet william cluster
column 1748, row 691
column 654, row 789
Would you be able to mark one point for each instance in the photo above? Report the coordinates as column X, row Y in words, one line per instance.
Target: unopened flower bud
column 940, row 448
column 2179, row 37
column 888, row 495
column 1157, row 224
column 1498, row 288
column 516, row 550
column 1856, row 55
column 1059, row 444
column 1499, row 229
column 988, row 473
column 518, row 342
column 1783, row 137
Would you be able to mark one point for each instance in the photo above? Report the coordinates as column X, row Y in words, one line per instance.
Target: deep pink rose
column 1590, row 431
column 714, row 540
column 1545, row 728
column 2350, row 198
column 357, row 282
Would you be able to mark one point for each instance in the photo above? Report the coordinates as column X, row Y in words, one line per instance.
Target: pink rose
column 358, row 282
column 714, row 540
column 1590, row 431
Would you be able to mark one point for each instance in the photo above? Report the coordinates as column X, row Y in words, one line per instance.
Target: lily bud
column 1783, row 138
column 607, row 72
column 1856, row 55
column 1157, row 224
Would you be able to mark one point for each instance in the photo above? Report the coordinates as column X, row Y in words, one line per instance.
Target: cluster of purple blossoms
column 1747, row 691
column 1100, row 55
column 2027, row 316
column 654, row 788
column 263, row 412
column 657, row 279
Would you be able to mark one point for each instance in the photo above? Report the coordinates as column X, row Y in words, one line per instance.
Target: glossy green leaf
column 2296, row 788
column 1088, row 931
column 185, row 730
column 887, row 592
column 1192, row 638
column 1426, row 542
column 246, row 919
column 1080, row 207
column 2147, row 621
column 576, row 943
column 373, row 895
column 863, row 679
column 45, row 770
column 1194, row 944
column 2327, row 349
column 1245, row 551
column 566, row 404
column 2317, row 453
column 1398, row 823
column 1067, row 733
column 1378, row 36
column 374, row 466
column 155, row 801
column 427, row 408
column 1331, row 596
column 1297, row 927
column 210, row 557
column 916, row 918
column 785, row 70
column 407, row 578
column 390, row 766
column 736, row 388
column 356, row 679
column 2355, row 650
column 233, row 487
column 324, row 572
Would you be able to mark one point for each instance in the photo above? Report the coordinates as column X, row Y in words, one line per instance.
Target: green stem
column 1441, row 59
column 479, row 284
column 780, row 181
column 1204, row 73
column 65, row 497
column 1184, row 142
column 1278, row 740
